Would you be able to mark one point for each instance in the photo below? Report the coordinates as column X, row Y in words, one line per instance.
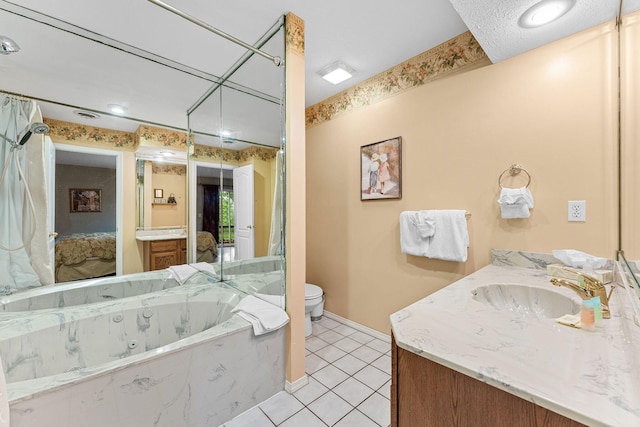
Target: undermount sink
column 525, row 300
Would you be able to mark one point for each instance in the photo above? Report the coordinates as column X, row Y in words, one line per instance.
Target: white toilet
column 313, row 305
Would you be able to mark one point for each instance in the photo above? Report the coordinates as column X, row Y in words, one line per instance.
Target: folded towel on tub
column 183, row 272
column 263, row 316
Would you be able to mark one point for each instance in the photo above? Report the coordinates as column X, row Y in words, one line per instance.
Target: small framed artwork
column 85, row 200
column 381, row 170
column 158, row 193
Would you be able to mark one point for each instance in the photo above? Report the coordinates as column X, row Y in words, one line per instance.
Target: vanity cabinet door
column 160, row 254
column 425, row 393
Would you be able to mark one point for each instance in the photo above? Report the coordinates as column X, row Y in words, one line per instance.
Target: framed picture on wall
column 85, row 200
column 158, row 193
column 381, row 170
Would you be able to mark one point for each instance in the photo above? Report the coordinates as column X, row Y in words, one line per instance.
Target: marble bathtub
column 87, row 291
column 174, row 357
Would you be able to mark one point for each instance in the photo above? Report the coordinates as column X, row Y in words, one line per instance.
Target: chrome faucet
column 593, row 288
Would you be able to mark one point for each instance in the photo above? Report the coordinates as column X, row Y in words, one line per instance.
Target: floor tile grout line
column 374, row 391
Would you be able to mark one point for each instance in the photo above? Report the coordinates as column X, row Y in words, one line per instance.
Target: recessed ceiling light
column 544, row 12
column 336, row 72
column 225, row 133
column 117, row 108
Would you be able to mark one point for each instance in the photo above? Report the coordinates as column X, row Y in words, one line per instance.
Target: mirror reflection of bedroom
column 85, row 215
column 214, row 212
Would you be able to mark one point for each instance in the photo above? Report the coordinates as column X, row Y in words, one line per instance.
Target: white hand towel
column 425, row 223
column 451, row 239
column 264, row 317
column 515, row 202
column 410, row 241
column 416, row 229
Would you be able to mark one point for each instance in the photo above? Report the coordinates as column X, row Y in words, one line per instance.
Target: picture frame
column 381, row 170
column 85, row 200
column 158, row 193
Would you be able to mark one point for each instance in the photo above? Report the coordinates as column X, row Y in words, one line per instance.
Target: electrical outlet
column 577, row 210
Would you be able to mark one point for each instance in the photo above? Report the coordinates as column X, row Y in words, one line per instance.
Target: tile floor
column 349, row 384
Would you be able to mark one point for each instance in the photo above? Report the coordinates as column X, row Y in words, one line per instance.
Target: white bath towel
column 416, row 227
column 264, row 317
column 515, row 202
column 183, row 272
column 451, row 238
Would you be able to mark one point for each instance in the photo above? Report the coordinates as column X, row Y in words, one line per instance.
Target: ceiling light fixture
column 544, row 12
column 117, row 109
column 336, row 72
column 225, row 133
column 8, row 46
column 86, row 114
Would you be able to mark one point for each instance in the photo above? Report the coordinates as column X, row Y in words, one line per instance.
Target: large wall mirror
column 192, row 132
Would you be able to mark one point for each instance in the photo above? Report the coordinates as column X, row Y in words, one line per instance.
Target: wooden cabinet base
column 160, row 254
column 425, row 393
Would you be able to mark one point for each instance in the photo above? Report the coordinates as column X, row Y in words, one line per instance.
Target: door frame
column 119, row 190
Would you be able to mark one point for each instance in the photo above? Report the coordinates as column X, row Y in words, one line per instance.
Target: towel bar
column 514, row 170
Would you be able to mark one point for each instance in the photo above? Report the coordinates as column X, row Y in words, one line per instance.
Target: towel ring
column 514, row 170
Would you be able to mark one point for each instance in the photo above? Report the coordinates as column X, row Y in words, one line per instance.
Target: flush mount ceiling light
column 8, row 46
column 545, row 12
column 336, row 72
column 117, row 108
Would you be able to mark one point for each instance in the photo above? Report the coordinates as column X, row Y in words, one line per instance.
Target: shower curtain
column 24, row 250
column 276, row 232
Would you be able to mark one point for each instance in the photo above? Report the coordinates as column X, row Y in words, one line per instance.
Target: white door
column 50, row 164
column 243, row 212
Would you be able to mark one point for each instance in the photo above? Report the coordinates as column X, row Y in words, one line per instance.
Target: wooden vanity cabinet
column 160, row 254
column 425, row 393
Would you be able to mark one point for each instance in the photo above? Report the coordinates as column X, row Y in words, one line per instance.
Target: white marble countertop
column 169, row 234
column 591, row 377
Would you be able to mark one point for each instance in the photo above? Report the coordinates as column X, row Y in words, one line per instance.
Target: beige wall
column 132, row 249
column 553, row 110
column 295, row 201
column 263, row 187
column 170, row 215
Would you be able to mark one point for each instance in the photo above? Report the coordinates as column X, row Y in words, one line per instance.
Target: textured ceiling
column 494, row 23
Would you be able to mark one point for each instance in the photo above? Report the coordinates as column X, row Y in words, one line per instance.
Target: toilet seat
column 312, row 291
